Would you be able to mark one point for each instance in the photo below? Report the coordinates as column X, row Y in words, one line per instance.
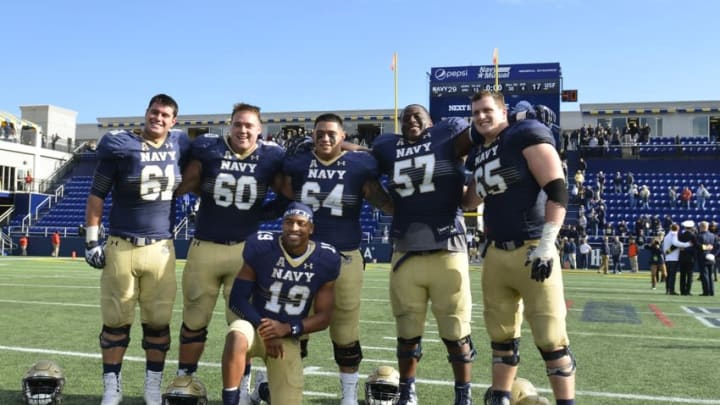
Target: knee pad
column 121, row 331
column 464, row 357
column 410, row 353
column 198, row 335
column 159, row 333
column 566, row 370
column 349, row 356
column 513, row 346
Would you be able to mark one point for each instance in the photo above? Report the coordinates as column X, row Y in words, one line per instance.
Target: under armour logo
column 308, row 265
column 341, row 163
column 255, row 157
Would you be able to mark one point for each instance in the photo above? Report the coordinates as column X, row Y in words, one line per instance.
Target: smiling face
column 489, row 115
column 415, row 121
column 328, row 137
column 245, row 129
column 159, row 119
column 296, row 231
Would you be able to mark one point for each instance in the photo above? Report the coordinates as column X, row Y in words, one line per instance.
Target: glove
column 95, row 254
column 298, row 144
column 541, row 257
column 541, row 267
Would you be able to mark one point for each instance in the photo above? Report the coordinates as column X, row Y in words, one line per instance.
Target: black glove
column 298, row 144
column 541, row 269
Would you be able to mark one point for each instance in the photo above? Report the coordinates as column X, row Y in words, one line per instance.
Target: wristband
column 296, row 328
column 91, row 233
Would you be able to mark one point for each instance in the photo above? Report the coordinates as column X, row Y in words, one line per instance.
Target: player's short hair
column 329, row 117
column 243, row 107
column 497, row 96
column 164, row 99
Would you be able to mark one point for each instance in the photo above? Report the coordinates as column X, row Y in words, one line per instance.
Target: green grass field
column 633, row 345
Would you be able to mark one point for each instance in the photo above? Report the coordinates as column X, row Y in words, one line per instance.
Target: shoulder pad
column 115, row 144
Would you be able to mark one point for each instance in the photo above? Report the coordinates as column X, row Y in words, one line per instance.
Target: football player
column 333, row 183
column 518, row 175
column 281, row 278
column 430, row 262
column 232, row 175
column 138, row 260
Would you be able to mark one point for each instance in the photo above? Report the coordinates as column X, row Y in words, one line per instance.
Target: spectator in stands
column 53, row 140
column 686, row 197
column 579, row 180
column 600, row 182
column 616, row 251
column 655, row 226
column 55, row 240
column 672, row 196
column 592, row 221
column 629, row 180
column 622, row 228
column 43, row 140
column 28, row 181
column 618, row 183
column 601, row 211
column 632, row 196
column 701, row 195
column 644, row 196
column 582, row 165
column 23, row 243
column 667, row 221
column 604, row 255
column 582, row 224
column 633, row 255
column 644, row 134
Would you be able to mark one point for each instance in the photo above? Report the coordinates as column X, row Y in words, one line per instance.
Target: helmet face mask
column 185, row 390
column 382, row 387
column 43, row 384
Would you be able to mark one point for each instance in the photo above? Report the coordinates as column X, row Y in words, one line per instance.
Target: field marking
column 660, row 315
column 318, row 371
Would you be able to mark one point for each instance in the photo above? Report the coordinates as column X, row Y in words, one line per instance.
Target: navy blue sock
column 156, row 366
column 112, row 368
column 406, row 384
column 565, row 402
column 188, row 368
column 230, row 396
column 247, row 369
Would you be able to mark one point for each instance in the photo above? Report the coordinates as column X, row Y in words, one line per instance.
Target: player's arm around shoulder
column 191, row 178
column 471, row 199
column 376, row 195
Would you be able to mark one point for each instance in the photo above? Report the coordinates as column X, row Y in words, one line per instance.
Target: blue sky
column 106, row 59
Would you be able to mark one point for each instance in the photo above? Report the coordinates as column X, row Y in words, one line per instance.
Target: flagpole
column 395, row 78
column 496, row 62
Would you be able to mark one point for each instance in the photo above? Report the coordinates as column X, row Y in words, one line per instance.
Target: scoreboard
column 451, row 88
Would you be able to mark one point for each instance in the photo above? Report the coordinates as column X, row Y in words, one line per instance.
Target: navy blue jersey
column 142, row 179
column 334, row 190
column 233, row 187
column 514, row 201
column 420, row 171
column 285, row 287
